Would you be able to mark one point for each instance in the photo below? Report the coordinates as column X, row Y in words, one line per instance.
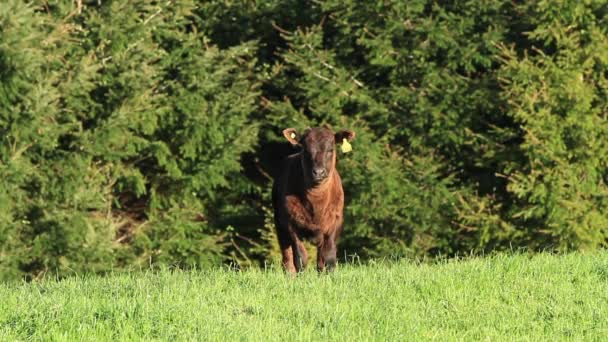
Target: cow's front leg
column 287, row 252
column 300, row 255
column 326, row 253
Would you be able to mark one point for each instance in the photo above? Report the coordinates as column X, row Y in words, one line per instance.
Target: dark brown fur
column 308, row 198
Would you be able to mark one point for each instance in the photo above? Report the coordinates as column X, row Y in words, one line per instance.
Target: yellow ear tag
column 346, row 146
column 293, row 135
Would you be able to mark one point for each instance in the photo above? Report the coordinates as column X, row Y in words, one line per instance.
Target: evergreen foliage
column 144, row 132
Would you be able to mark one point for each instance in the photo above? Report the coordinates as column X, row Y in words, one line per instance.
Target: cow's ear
column 292, row 135
column 345, row 134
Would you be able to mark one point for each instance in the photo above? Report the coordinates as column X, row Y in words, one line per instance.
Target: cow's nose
column 318, row 172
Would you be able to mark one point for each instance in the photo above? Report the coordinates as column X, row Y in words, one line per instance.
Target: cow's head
column 318, row 150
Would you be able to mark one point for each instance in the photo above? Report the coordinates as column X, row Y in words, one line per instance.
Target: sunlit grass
column 543, row 297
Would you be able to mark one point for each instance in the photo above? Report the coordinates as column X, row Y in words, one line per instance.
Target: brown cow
column 308, row 198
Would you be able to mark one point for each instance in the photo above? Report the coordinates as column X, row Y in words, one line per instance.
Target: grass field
column 519, row 297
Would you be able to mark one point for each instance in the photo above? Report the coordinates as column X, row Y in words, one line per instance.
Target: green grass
column 543, row 297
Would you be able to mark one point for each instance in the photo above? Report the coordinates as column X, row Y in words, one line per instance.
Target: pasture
column 502, row 297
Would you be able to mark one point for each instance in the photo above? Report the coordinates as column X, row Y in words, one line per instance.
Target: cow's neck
column 321, row 194
column 316, row 205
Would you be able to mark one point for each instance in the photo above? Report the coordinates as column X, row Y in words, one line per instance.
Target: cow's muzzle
column 319, row 174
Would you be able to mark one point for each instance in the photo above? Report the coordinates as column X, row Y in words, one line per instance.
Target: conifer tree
column 556, row 92
column 138, row 133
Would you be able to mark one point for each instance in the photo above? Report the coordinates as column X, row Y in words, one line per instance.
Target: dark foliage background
column 138, row 133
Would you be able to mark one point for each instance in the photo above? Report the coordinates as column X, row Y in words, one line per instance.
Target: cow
column 308, row 198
